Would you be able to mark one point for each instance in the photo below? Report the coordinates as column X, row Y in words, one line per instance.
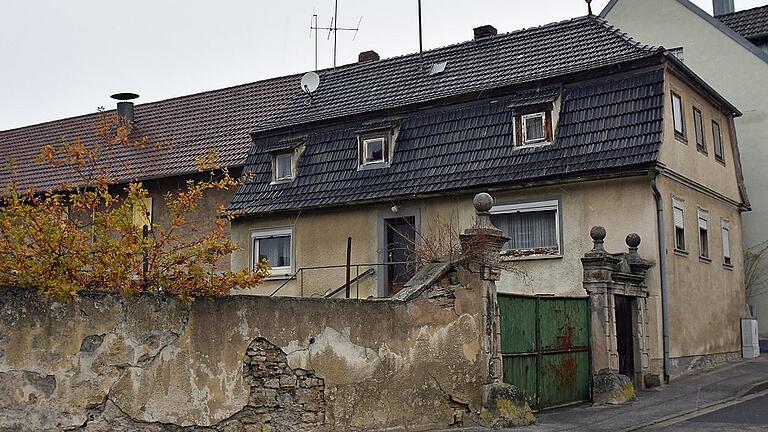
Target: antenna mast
column 334, row 29
column 421, row 46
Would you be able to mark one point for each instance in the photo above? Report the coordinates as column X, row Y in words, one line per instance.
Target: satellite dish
column 310, row 82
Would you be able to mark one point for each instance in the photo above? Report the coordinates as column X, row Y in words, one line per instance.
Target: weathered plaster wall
column 104, row 362
column 706, row 297
column 320, row 236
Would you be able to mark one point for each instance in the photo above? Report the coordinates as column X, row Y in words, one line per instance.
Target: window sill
column 720, row 161
column 681, row 252
column 370, row 166
column 681, row 138
column 728, row 266
column 278, row 277
column 705, row 259
column 283, row 181
column 529, row 258
column 702, row 151
column 533, row 145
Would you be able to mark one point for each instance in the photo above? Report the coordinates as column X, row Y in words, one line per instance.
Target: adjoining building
column 728, row 51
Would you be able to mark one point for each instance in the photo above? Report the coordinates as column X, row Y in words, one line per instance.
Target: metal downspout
column 663, row 272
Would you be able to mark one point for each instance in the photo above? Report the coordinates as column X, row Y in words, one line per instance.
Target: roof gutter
column 663, row 279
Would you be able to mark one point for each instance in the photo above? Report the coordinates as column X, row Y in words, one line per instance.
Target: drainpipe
column 663, row 272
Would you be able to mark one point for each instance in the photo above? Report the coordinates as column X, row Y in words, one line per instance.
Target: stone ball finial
column 597, row 233
column 483, row 202
column 633, row 240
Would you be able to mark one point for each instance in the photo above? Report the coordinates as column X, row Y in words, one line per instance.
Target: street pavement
column 726, row 398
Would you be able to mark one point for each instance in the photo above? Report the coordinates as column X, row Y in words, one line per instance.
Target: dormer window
column 282, row 167
column 533, row 129
column 374, row 149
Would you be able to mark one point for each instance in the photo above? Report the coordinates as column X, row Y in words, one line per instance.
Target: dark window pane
column 704, row 242
column 276, row 249
column 528, row 230
column 718, row 139
column 679, row 238
column 698, row 123
column 374, row 150
column 534, row 129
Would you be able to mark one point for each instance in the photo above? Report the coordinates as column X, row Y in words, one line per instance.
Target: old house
column 569, row 125
column 728, row 50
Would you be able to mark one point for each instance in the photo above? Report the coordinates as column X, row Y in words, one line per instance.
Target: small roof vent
column 485, row 31
column 368, row 57
column 125, row 106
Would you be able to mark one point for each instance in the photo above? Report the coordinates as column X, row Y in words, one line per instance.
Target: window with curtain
column 678, row 213
column 533, row 228
column 273, row 245
column 703, row 233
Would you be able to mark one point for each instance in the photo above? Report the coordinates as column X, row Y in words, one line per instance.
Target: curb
column 750, row 390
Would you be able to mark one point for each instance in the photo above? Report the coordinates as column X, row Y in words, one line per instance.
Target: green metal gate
column 545, row 348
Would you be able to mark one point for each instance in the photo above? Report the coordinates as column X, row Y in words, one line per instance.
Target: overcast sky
column 63, row 58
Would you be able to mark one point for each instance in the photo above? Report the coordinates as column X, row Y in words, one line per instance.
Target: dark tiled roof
column 609, row 125
column 522, row 56
column 750, row 23
column 220, row 119
column 193, row 125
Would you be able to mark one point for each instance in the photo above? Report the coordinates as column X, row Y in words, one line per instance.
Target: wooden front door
column 401, row 239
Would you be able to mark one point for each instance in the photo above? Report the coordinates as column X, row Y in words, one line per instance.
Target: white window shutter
column 726, row 240
column 703, row 219
column 678, row 213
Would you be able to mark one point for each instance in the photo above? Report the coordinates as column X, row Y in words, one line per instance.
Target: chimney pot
column 722, row 7
column 485, row 31
column 125, row 106
column 368, row 57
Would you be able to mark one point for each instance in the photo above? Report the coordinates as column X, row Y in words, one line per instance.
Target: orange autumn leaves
column 84, row 236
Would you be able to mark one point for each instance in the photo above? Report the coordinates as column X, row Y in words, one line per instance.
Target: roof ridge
column 743, row 10
column 347, row 67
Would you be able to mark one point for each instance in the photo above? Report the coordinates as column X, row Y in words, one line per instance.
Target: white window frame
column 534, row 206
column 703, row 223
column 678, row 204
column 725, row 228
column 682, row 132
column 275, row 164
column 364, row 149
column 523, row 121
column 259, row 234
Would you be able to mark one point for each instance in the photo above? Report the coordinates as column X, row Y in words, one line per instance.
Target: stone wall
column 243, row 363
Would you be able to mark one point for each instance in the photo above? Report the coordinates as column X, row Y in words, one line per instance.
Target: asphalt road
column 747, row 414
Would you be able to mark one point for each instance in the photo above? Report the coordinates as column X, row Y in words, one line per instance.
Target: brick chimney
column 485, row 31
column 722, row 7
column 368, row 57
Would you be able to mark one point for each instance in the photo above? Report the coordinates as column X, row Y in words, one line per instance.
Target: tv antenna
column 333, row 29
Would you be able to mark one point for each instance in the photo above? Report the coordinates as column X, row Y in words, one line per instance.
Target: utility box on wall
column 750, row 343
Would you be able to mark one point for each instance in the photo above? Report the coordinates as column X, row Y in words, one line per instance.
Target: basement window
column 533, row 228
column 678, row 214
column 273, row 245
column 533, row 129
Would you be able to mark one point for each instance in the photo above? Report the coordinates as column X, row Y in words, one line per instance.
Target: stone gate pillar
column 605, row 276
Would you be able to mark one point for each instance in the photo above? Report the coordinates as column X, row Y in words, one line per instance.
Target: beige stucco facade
column 736, row 73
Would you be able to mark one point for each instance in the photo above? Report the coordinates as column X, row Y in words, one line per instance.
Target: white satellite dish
column 310, row 82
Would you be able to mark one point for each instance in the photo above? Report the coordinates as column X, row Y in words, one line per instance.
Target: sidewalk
column 681, row 397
